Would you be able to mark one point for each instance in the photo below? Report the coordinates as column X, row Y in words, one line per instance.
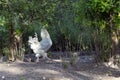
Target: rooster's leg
column 37, row 60
column 37, row 56
column 46, row 57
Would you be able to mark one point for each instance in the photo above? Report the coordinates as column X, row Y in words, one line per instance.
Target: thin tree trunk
column 114, row 41
column 97, row 48
column 114, row 50
column 12, row 50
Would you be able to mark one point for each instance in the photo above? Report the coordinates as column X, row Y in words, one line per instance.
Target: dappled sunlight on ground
column 31, row 70
column 48, row 71
column 8, row 68
column 55, row 71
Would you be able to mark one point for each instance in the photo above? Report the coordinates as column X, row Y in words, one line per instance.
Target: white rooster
column 40, row 48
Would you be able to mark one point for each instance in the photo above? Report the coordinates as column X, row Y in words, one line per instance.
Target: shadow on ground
column 41, row 71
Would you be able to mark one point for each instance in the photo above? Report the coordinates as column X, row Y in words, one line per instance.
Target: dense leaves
column 74, row 25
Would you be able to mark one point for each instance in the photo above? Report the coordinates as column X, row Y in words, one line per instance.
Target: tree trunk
column 97, row 48
column 114, row 49
column 114, row 41
column 12, row 48
column 19, row 47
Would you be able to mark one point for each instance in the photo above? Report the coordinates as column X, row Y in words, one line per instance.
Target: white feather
column 40, row 48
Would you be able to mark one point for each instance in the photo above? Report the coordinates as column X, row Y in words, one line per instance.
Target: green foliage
column 96, row 15
column 119, row 60
column 22, row 78
column 49, row 54
column 73, row 24
column 74, row 59
column 64, row 64
column 101, row 6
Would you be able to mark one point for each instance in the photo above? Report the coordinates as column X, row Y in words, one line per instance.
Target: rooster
column 40, row 48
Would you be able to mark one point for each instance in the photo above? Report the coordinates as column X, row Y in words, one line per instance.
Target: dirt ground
column 54, row 71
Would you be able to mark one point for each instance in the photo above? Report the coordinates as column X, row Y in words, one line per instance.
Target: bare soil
column 54, row 71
